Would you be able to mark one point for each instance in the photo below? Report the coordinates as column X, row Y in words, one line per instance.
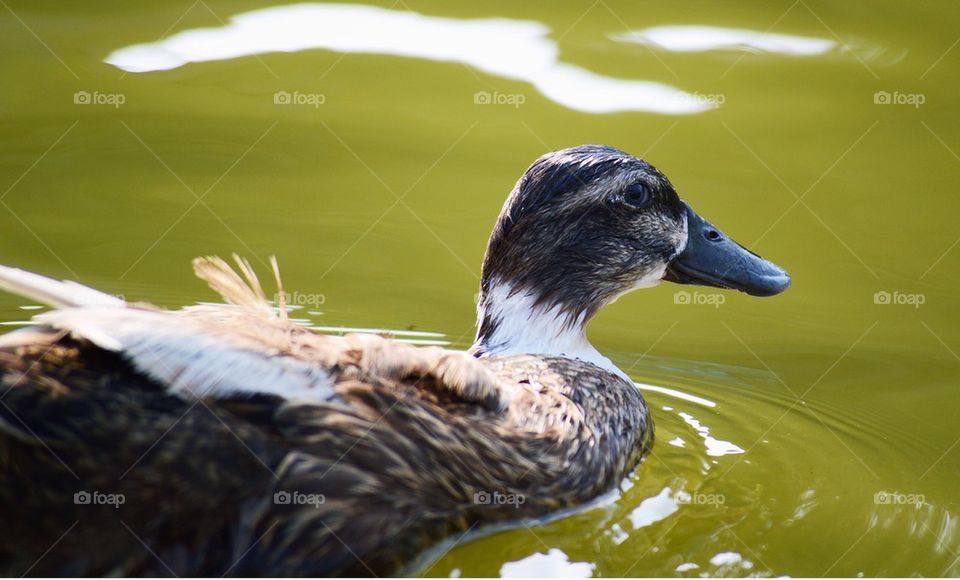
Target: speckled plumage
column 398, row 457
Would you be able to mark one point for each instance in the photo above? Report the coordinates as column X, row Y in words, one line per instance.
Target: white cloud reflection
column 512, row 49
column 553, row 564
column 704, row 38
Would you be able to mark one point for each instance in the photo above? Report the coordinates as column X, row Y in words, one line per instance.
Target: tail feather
column 55, row 293
column 246, row 291
column 226, row 282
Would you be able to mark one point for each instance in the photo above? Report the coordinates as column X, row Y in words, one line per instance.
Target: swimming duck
column 229, row 440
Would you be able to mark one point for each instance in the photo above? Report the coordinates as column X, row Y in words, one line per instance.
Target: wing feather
column 246, row 346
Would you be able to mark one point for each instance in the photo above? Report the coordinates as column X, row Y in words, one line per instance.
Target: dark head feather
column 568, row 235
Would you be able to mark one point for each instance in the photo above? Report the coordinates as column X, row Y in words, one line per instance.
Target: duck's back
column 147, row 460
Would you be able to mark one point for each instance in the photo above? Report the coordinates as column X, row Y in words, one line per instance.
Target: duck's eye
column 637, row 194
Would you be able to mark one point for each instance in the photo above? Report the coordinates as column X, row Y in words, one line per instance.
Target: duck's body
column 397, row 457
column 240, row 443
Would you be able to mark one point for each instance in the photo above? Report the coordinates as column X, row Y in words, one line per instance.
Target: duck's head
column 585, row 225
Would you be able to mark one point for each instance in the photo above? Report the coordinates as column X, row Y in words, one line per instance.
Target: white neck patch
column 522, row 327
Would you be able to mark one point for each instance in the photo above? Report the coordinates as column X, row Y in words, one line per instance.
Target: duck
column 227, row 439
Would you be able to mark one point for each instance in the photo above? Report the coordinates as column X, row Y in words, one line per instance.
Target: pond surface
column 370, row 149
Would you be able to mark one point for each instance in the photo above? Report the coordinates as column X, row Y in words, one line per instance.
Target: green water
column 816, row 401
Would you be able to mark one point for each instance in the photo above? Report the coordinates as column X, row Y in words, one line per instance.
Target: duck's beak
column 711, row 258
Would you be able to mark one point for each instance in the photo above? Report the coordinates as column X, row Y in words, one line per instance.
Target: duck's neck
column 512, row 322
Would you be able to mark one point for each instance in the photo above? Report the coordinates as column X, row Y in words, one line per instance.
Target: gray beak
column 711, row 258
